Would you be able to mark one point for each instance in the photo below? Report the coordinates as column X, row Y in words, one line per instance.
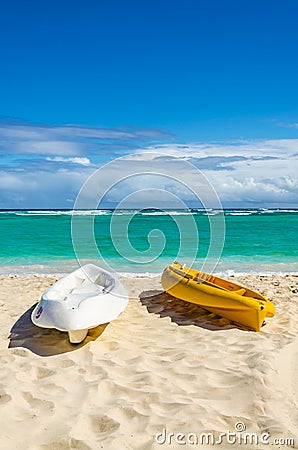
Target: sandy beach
column 163, row 367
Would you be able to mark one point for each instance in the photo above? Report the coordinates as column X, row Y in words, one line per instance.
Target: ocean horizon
column 257, row 240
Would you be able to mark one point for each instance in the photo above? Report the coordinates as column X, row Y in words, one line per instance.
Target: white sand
column 164, row 364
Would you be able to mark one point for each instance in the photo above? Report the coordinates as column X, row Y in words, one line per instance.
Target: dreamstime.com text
column 238, row 436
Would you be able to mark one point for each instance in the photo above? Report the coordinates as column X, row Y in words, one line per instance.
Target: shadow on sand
column 184, row 313
column 45, row 341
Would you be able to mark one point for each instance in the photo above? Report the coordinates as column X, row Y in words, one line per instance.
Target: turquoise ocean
column 145, row 241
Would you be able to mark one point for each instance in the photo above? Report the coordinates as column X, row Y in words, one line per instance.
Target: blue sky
column 82, row 83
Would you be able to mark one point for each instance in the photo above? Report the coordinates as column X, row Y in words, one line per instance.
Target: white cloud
column 257, row 173
column 16, row 182
column 287, row 125
column 40, row 189
column 47, row 148
column 75, row 160
column 253, row 148
column 260, row 173
column 70, row 140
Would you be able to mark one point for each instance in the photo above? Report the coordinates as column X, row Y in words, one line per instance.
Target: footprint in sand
column 103, row 425
column 65, row 444
column 43, row 372
column 53, row 389
column 4, row 397
column 20, row 352
column 41, row 406
column 78, row 444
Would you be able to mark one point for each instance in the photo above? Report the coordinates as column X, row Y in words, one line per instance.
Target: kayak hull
column 230, row 300
column 84, row 299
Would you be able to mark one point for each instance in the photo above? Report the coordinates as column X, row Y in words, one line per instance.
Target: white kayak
column 84, row 299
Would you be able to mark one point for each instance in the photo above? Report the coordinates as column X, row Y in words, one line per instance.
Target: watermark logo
column 143, row 185
column 239, row 436
column 240, row 426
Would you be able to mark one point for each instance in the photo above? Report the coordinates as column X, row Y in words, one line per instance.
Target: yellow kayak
column 222, row 297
